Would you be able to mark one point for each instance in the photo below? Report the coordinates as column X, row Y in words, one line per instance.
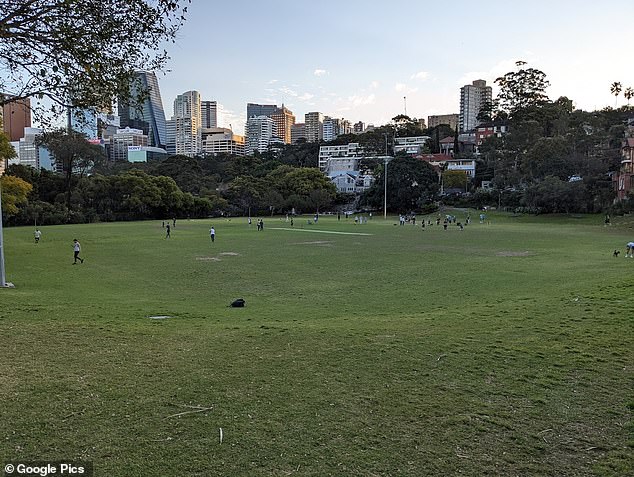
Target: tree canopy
column 14, row 193
column 81, row 53
column 521, row 89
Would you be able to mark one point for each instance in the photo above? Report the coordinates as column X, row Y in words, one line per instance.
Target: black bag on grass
column 239, row 303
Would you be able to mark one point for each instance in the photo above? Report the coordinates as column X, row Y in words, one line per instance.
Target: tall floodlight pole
column 3, row 281
column 385, row 180
column 385, row 189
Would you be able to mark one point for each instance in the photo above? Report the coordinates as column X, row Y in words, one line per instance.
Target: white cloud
column 403, row 88
column 499, row 69
column 320, row 72
column 374, row 85
column 288, row 91
column 234, row 120
column 306, row 96
column 421, row 76
column 357, row 100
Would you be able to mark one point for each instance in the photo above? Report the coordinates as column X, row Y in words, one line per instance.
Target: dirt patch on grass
column 232, row 254
column 507, row 253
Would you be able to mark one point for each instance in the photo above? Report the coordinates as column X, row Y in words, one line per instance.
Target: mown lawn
column 503, row 349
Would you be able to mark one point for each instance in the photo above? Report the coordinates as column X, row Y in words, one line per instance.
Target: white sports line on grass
column 319, row 231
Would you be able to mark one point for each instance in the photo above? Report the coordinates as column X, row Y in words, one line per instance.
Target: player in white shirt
column 77, row 249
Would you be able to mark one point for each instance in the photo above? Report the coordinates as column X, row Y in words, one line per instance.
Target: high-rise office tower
column 254, row 109
column 31, row 153
column 298, row 132
column 187, row 123
column 148, row 116
column 314, row 126
column 472, row 98
column 358, row 128
column 284, row 120
column 15, row 116
column 211, row 114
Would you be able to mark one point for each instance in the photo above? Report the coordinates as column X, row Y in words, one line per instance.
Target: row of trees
column 43, row 197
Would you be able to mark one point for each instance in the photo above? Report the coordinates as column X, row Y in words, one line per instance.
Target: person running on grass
column 212, row 234
column 38, row 235
column 77, row 249
column 167, row 231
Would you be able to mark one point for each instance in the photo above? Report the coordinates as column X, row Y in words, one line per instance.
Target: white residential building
column 348, row 150
column 347, row 175
column 472, row 98
column 314, row 124
column 260, row 133
column 467, row 166
column 187, row 124
column 410, row 145
column 29, row 153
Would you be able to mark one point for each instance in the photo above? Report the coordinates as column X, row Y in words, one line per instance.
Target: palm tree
column 629, row 94
column 615, row 89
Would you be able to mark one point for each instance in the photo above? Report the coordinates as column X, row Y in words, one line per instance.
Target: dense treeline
column 177, row 187
column 552, row 158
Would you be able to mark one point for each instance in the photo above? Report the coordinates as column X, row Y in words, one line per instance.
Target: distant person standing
column 77, row 249
column 38, row 235
column 174, row 222
column 629, row 250
column 168, row 229
column 607, row 220
column 338, row 216
column 212, row 234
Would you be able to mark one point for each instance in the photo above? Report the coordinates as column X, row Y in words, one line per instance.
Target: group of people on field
column 403, row 219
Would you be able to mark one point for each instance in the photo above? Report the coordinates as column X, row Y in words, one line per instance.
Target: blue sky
column 359, row 59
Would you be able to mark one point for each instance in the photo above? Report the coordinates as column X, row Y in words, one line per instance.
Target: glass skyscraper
column 148, row 116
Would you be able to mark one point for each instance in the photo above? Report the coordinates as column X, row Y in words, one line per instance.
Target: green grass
column 504, row 349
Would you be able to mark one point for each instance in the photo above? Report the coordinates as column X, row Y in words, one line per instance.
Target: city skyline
column 359, row 60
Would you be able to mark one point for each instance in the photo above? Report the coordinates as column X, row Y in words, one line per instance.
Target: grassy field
column 503, row 349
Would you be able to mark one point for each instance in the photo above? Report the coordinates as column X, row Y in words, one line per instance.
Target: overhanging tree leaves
column 81, row 52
